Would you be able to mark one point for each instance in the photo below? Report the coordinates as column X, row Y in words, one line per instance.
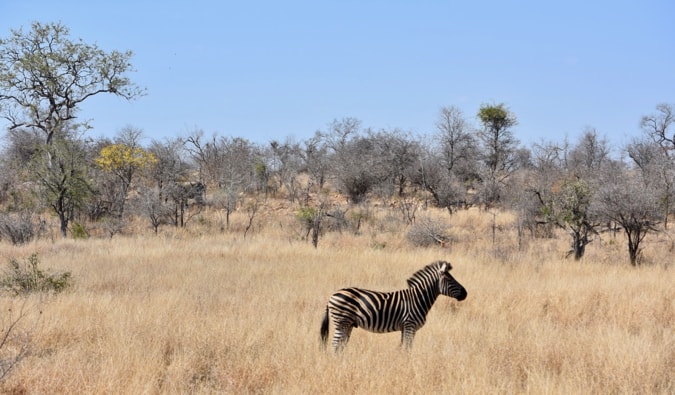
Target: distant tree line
column 48, row 164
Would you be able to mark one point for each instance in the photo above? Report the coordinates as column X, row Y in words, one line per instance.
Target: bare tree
column 340, row 132
column 228, row 163
column 351, row 162
column 238, row 172
column 171, row 165
column 208, row 155
column 182, row 194
column 626, row 199
column 397, row 153
column 659, row 127
column 589, row 155
column 459, row 148
column 153, row 208
column 658, row 169
column 354, row 165
column 21, row 145
column 359, row 168
column 534, row 196
column 286, row 165
column 446, row 189
column 315, row 156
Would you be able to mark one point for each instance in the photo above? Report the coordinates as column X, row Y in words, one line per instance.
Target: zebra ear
column 445, row 267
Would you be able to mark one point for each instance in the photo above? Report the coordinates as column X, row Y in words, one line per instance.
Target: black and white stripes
column 404, row 310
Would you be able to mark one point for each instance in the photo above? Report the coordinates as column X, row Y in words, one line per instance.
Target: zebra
column 404, row 310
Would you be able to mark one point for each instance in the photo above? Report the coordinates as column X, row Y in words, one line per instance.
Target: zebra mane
column 430, row 270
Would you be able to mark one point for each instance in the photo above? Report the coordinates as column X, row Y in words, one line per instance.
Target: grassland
column 205, row 311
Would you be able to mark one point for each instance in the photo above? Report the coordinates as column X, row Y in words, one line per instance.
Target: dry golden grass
column 210, row 312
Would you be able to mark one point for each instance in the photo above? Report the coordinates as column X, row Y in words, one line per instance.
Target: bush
column 18, row 229
column 306, row 215
column 426, row 232
column 337, row 221
column 79, row 232
column 26, row 278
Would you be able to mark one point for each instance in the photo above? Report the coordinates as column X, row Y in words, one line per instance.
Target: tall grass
column 216, row 313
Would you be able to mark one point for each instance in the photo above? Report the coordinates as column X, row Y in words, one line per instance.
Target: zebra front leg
column 407, row 336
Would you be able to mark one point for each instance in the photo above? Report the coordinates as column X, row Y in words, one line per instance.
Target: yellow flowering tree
column 124, row 161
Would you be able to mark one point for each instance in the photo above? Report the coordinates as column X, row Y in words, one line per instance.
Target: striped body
column 404, row 310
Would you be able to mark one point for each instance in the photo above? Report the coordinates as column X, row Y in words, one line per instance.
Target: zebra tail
column 324, row 329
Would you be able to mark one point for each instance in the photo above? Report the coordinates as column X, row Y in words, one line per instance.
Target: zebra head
column 438, row 273
column 448, row 286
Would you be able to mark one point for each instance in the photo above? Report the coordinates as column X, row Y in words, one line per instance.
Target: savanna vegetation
column 197, row 311
column 202, row 264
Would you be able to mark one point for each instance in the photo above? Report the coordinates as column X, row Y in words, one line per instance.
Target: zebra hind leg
column 341, row 337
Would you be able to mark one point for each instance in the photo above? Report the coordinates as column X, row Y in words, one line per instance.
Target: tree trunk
column 667, row 210
column 182, row 213
column 579, row 242
column 59, row 207
column 633, row 246
column 63, row 218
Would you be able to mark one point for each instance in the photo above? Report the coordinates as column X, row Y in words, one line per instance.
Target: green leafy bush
column 26, row 277
column 79, row 232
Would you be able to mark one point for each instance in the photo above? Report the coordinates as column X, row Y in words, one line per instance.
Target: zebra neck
column 426, row 295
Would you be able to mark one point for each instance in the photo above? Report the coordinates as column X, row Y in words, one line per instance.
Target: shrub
column 336, row 220
column 18, row 229
column 79, row 232
column 306, row 215
column 22, row 278
column 426, row 232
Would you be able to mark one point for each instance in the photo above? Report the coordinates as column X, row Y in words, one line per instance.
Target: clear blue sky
column 268, row 70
